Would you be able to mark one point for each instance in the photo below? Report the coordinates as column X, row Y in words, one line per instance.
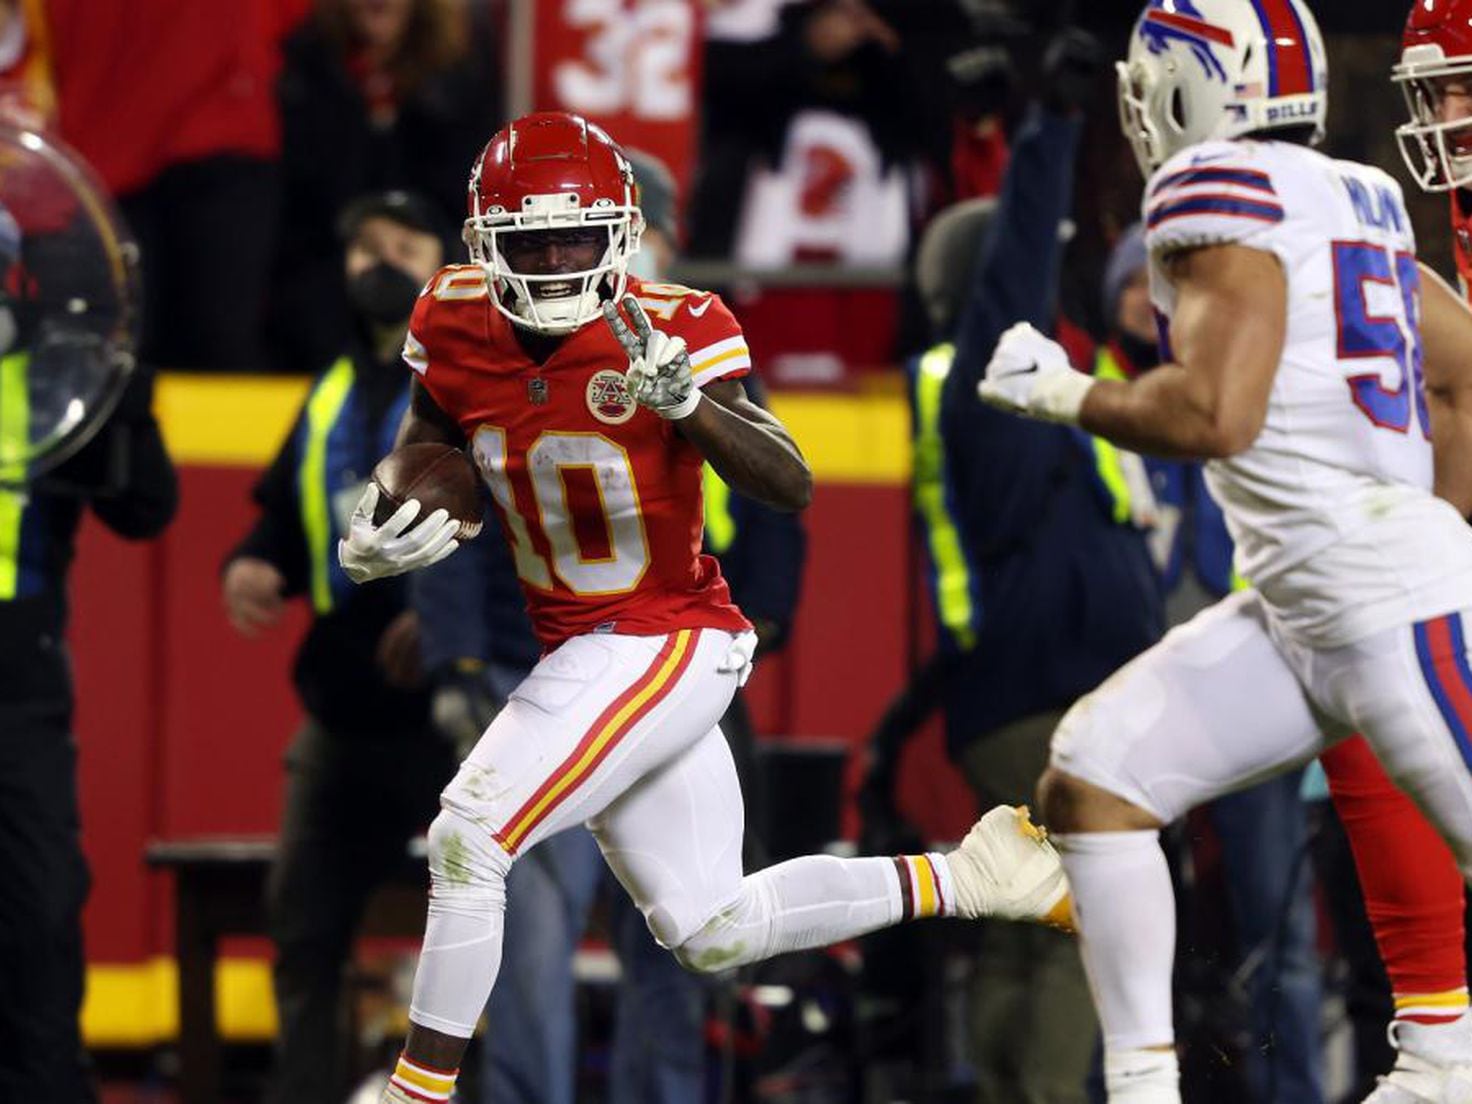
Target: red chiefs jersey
column 600, row 498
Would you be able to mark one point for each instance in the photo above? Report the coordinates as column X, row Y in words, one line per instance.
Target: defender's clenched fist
column 1030, row 374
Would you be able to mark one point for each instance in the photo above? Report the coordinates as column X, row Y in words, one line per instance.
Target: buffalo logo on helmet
column 1182, row 22
column 608, row 397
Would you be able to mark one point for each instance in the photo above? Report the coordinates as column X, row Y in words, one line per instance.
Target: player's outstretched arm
column 1446, row 332
column 748, row 447
column 1208, row 402
column 1227, row 335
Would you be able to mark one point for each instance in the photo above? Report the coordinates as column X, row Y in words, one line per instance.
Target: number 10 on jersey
column 587, row 504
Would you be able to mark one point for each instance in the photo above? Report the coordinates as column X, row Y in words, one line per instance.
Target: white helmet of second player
column 1204, row 69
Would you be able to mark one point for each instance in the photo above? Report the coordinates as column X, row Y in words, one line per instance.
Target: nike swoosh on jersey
column 696, row 312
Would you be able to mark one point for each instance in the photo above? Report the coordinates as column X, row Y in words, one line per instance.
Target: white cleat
column 1433, row 1064
column 1006, row 868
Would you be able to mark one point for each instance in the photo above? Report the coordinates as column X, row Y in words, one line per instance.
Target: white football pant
column 620, row 733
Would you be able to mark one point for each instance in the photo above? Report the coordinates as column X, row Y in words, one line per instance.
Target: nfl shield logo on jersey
column 608, row 397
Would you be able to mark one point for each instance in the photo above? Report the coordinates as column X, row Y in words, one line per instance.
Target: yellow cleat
column 1006, row 868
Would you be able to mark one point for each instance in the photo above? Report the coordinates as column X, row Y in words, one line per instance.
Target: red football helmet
column 552, row 171
column 1437, row 45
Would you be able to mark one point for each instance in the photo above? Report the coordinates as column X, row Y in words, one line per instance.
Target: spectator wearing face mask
column 365, row 771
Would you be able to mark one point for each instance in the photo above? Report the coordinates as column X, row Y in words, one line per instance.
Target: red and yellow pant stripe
column 419, row 1082
column 605, row 733
column 1431, row 1007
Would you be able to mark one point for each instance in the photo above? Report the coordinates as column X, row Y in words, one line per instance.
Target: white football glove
column 377, row 551
column 1030, row 374
column 659, row 375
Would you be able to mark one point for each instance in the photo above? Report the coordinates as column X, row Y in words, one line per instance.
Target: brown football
column 439, row 476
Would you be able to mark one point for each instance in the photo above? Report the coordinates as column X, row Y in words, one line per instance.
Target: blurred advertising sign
column 632, row 66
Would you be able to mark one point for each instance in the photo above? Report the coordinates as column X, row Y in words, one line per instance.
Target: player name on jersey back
column 599, row 498
column 1331, row 508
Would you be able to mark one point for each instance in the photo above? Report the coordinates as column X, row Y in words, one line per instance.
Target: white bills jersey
column 1331, row 507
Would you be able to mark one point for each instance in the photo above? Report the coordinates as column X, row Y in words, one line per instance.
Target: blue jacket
column 1061, row 581
column 1198, row 542
column 1191, row 538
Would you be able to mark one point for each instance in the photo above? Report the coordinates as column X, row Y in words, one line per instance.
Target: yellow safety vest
column 1106, row 456
column 928, row 487
column 323, row 406
column 720, row 526
column 15, row 444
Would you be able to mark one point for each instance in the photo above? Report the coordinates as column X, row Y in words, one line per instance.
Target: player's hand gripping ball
column 429, row 479
column 659, row 375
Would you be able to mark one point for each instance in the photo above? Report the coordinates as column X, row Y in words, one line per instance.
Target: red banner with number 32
column 632, row 66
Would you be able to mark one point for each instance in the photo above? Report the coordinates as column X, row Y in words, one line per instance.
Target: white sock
column 458, row 964
column 1142, row 1077
column 1125, row 909
column 808, row 902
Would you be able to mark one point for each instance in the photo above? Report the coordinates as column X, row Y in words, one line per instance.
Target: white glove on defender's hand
column 376, row 552
column 659, row 374
column 1030, row 374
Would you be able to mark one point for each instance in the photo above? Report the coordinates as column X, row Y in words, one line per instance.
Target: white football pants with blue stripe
column 1226, row 700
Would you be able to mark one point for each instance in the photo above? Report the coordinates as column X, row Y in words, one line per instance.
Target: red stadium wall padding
column 113, row 647
column 227, row 704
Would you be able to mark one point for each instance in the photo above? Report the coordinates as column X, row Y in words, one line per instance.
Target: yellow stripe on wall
column 862, row 438
column 232, row 421
column 240, row 421
column 137, row 1004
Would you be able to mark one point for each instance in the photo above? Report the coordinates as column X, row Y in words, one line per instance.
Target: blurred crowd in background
column 287, row 166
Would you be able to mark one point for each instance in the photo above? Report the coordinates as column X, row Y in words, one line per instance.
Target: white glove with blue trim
column 1029, row 374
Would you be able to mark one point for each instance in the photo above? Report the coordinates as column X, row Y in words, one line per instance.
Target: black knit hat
column 408, row 209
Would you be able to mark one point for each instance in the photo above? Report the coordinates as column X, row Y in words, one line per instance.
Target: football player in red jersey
column 1412, row 887
column 1435, row 74
column 589, row 400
